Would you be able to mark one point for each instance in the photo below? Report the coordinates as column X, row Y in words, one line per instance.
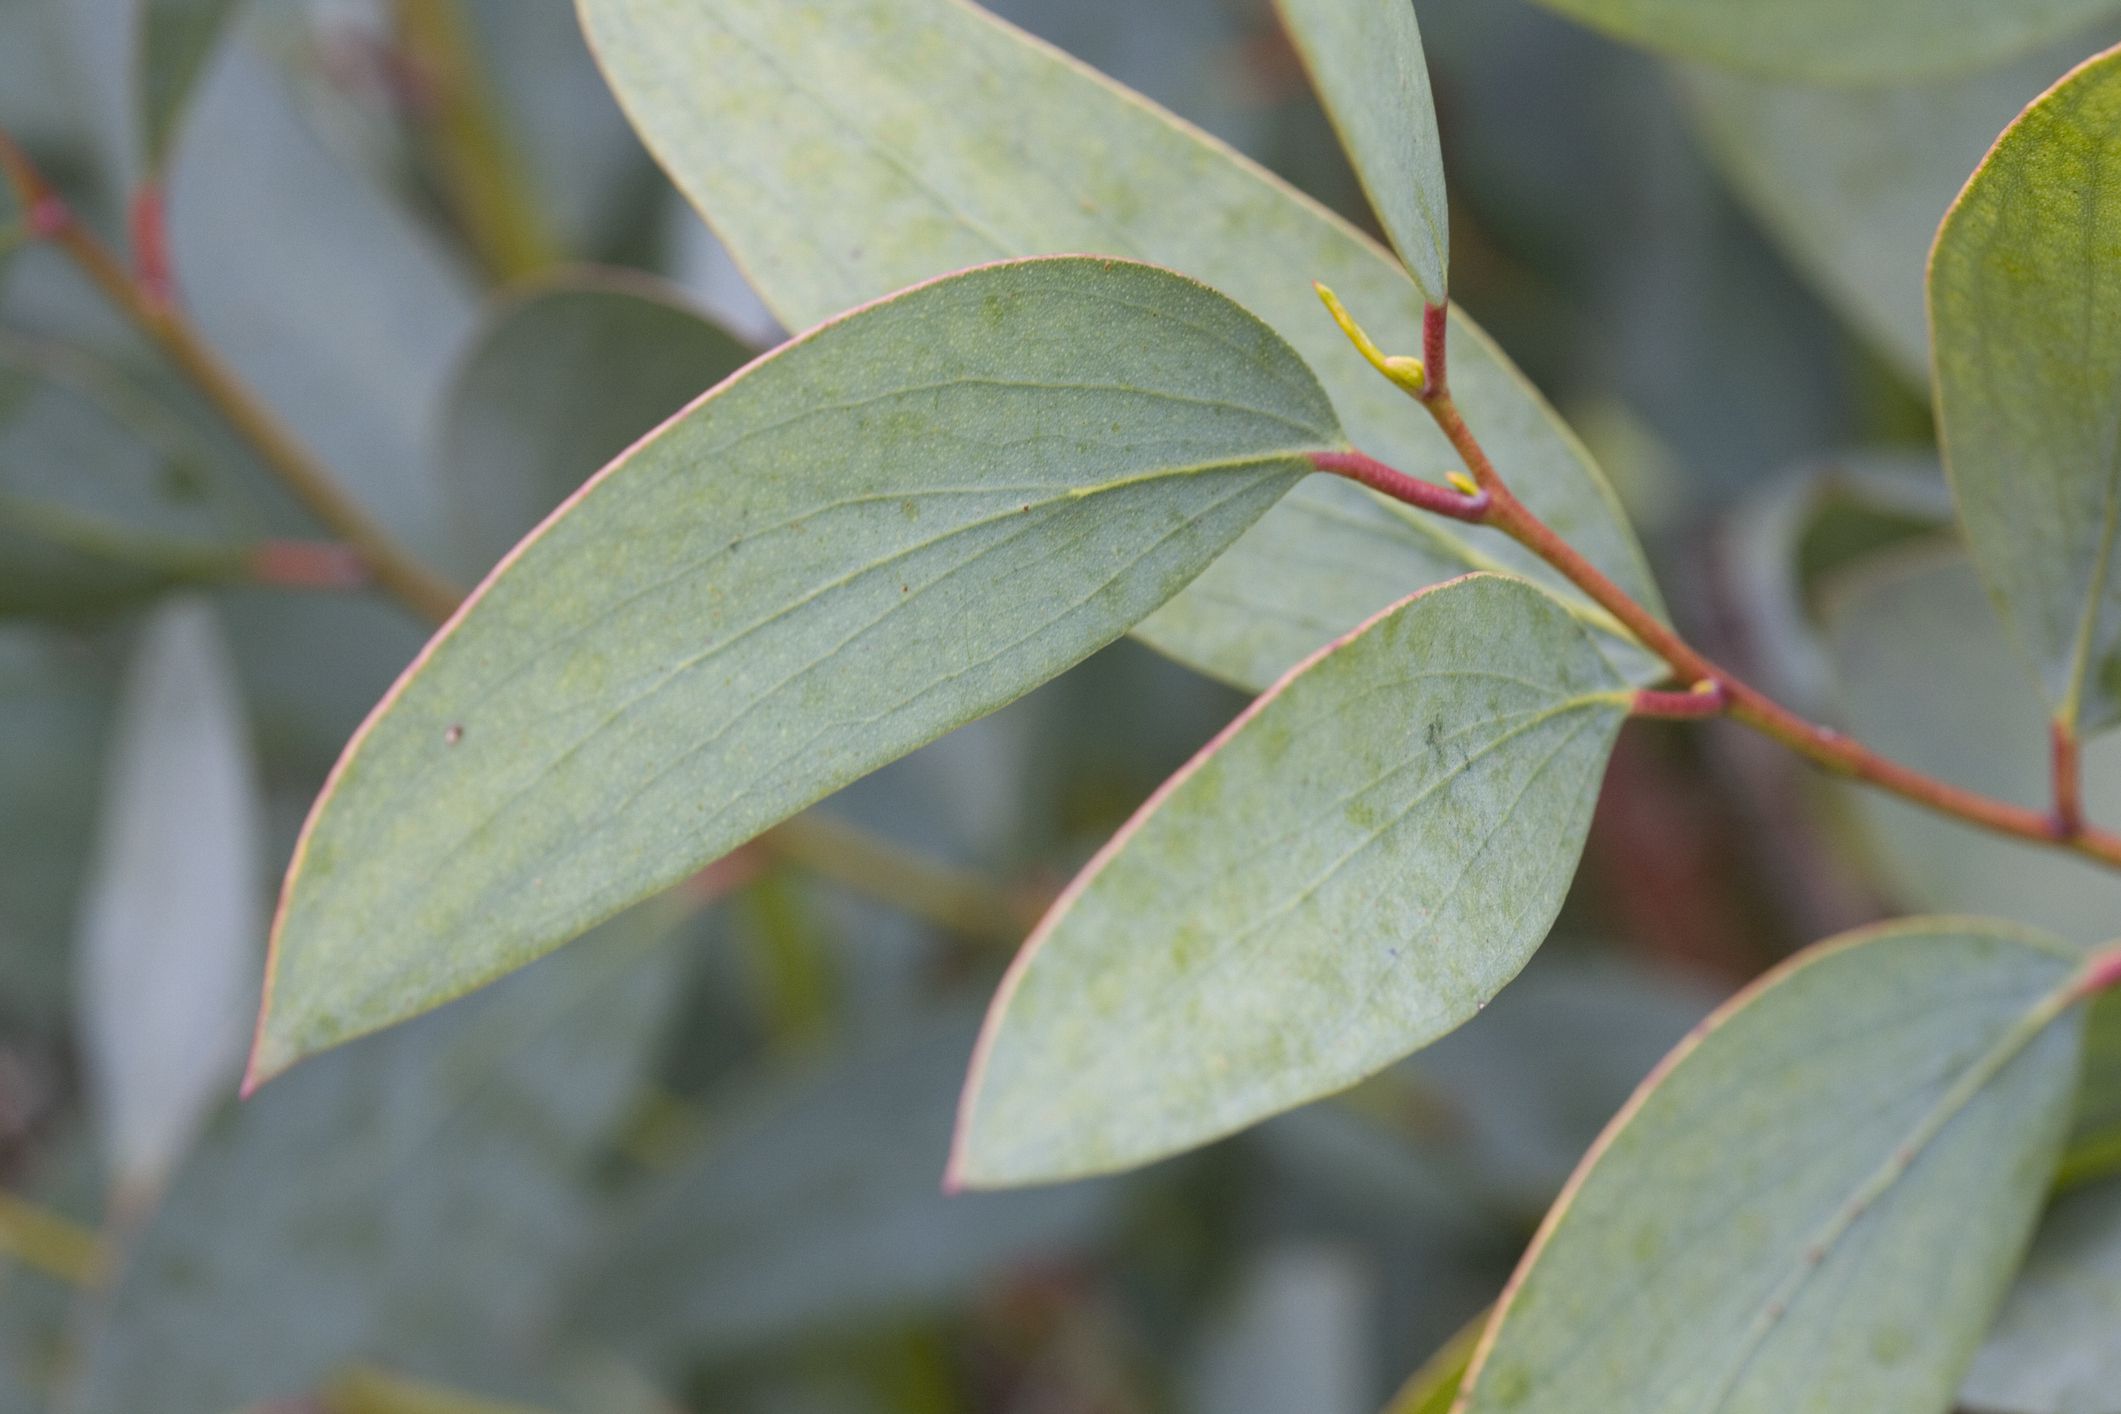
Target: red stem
column 2068, row 781
column 1390, row 481
column 1821, row 745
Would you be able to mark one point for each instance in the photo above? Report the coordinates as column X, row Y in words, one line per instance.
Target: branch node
column 1459, row 504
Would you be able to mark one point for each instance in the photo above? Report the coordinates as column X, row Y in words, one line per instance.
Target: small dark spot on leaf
column 454, row 735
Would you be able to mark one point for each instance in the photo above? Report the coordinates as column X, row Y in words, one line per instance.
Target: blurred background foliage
column 693, row 1162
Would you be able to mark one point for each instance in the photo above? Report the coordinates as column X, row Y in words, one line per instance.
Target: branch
column 1715, row 691
column 145, row 302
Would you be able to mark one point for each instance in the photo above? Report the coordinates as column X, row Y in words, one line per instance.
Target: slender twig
column 146, row 305
column 2063, row 826
column 2068, row 780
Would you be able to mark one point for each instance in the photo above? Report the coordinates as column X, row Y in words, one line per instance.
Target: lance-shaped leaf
column 2056, row 1346
column 1833, row 41
column 560, row 379
column 1351, row 869
column 2025, row 308
column 1365, row 60
column 791, row 124
column 173, row 41
column 175, row 905
column 892, row 525
column 1818, row 1200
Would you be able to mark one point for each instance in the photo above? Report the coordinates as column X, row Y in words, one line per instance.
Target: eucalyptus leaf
column 779, row 118
column 174, row 41
column 1305, row 903
column 811, row 1206
column 897, row 523
column 560, row 378
column 1853, row 181
column 2056, row 1347
column 415, row 1200
column 1832, row 41
column 1818, row 1200
column 2025, row 302
column 175, row 909
column 1365, row 59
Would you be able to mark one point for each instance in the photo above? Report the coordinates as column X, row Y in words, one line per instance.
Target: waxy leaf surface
column 1817, row 1202
column 1835, row 41
column 2025, row 305
column 834, row 176
column 1350, row 870
column 1365, row 60
column 893, row 525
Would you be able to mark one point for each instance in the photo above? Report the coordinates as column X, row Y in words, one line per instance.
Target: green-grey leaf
column 560, row 379
column 417, row 1199
column 895, row 524
column 2056, row 1347
column 2025, row 304
column 174, row 918
column 173, row 41
column 1365, row 60
column 790, row 123
column 1834, row 41
column 1926, row 677
column 1350, row 870
column 812, row 1203
column 1853, row 181
column 1818, row 1201
column 106, row 496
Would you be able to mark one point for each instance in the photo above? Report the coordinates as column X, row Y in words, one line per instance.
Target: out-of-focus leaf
column 1365, row 59
column 587, row 172
column 409, row 1202
column 1926, row 677
column 1818, row 1200
column 1006, row 147
column 54, row 705
column 174, row 915
column 1829, row 41
column 1853, row 181
column 898, row 523
column 105, row 496
column 2025, row 301
column 331, row 300
column 175, row 39
column 815, row 1202
column 559, row 380
column 2056, row 1347
column 1804, row 528
column 1303, row 905
column 1296, row 1336
column 1532, row 1080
